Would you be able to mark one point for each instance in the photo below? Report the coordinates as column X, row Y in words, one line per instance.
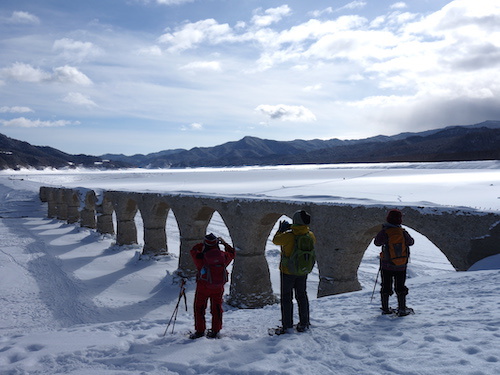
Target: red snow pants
column 202, row 295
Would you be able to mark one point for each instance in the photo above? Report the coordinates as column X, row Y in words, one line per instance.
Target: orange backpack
column 395, row 251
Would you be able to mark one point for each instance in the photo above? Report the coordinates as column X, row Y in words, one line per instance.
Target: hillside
column 16, row 154
column 454, row 143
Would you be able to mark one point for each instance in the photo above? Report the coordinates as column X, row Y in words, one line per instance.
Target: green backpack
column 303, row 257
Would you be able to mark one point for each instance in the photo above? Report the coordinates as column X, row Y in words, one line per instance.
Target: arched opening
column 425, row 260
column 173, row 234
column 217, row 226
column 273, row 257
column 139, row 224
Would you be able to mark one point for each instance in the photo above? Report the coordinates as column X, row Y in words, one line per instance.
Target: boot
column 385, row 304
column 402, row 309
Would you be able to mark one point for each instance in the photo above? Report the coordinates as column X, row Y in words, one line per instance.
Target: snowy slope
column 73, row 303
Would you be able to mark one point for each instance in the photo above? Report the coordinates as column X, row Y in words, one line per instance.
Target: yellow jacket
column 287, row 241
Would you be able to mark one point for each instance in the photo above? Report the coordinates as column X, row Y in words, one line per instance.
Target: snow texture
column 72, row 302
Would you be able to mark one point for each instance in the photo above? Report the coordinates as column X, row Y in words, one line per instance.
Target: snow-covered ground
column 71, row 302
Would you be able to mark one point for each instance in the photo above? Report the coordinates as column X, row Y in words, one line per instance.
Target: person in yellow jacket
column 290, row 283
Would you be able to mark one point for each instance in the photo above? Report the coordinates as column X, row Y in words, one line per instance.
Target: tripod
column 182, row 293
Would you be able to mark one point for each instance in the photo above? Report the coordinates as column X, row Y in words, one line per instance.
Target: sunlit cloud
column 203, row 65
column 74, row 50
column 399, row 5
column 354, row 5
column 271, row 15
column 15, row 110
column 319, row 13
column 23, row 122
column 316, row 87
column 193, row 34
column 23, row 18
column 194, row 126
column 26, row 73
column 79, row 99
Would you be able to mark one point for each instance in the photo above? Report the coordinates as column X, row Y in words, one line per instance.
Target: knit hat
column 394, row 217
column 301, row 218
column 210, row 240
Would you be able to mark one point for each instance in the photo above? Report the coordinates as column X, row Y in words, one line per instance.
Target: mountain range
column 454, row 143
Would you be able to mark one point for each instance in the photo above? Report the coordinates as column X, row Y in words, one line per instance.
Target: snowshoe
column 302, row 327
column 278, row 331
column 212, row 334
column 196, row 335
column 405, row 311
column 388, row 311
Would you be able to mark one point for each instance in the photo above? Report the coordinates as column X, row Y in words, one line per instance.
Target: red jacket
column 198, row 254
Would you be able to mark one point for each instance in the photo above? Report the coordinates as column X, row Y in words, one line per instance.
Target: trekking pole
column 376, row 279
column 182, row 293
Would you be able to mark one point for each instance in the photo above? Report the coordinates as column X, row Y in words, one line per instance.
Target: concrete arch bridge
column 343, row 232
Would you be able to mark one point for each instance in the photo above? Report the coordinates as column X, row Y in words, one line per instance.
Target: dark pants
column 289, row 284
column 397, row 279
column 202, row 295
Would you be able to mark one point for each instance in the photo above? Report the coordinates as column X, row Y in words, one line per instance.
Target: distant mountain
column 473, row 142
column 453, row 143
column 16, row 154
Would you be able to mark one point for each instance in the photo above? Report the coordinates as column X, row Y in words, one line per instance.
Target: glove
column 284, row 226
column 199, row 255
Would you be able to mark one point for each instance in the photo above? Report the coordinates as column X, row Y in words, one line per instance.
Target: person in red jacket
column 393, row 267
column 211, row 263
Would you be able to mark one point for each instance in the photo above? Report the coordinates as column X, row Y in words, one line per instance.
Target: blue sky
column 140, row 76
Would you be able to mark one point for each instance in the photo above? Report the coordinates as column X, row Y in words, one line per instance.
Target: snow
column 72, row 302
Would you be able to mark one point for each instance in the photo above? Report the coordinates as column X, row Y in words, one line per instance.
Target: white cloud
column 193, row 34
column 316, row 87
column 271, row 15
column 22, row 122
column 286, row 112
column 399, row 5
column 23, row 18
column 79, row 99
column 26, row 73
column 193, row 126
column 150, row 51
column 203, row 65
column 15, row 109
column 319, row 13
column 354, row 5
column 73, row 50
column 69, row 74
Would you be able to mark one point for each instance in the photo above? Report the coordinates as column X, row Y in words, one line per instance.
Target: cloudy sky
column 140, row 76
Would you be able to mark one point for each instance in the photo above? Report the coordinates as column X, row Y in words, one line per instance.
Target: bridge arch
column 343, row 234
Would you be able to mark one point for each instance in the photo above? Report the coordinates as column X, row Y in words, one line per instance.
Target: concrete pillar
column 154, row 211
column 249, row 225
column 62, row 206
column 125, row 208
column 72, row 199
column 193, row 216
column 104, row 218
column 88, row 212
column 51, row 202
